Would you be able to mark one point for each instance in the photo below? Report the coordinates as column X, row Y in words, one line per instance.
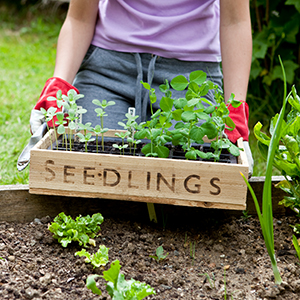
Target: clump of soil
column 35, row 266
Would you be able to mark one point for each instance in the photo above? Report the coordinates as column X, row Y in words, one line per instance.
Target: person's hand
column 240, row 116
column 52, row 86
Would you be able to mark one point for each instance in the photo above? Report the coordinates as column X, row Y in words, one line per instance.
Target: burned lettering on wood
column 86, row 175
column 105, row 171
column 129, row 181
column 218, row 189
column 49, row 161
column 197, row 186
column 160, row 177
column 66, row 173
column 148, row 180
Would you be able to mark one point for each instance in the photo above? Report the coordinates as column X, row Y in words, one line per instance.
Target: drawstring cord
column 141, row 102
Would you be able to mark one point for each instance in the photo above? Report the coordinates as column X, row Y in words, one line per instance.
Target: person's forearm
column 236, row 47
column 74, row 38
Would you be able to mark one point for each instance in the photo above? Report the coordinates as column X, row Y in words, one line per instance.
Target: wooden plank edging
column 17, row 205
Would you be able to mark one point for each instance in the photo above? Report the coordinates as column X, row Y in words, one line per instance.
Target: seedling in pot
column 86, row 136
column 61, row 126
column 98, row 259
column 123, row 136
column 49, row 116
column 73, row 112
column 101, row 113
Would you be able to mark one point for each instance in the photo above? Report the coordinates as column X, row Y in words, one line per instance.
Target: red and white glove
column 240, row 117
column 52, row 86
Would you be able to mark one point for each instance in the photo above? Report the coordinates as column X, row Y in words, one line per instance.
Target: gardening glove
column 52, row 86
column 240, row 117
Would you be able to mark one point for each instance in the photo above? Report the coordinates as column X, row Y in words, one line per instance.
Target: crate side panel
column 138, row 177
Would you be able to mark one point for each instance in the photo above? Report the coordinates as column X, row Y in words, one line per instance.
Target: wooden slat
column 18, row 205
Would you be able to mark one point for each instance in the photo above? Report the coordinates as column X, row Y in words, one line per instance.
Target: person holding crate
column 105, row 48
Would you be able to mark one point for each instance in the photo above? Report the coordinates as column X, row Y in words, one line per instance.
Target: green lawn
column 27, row 56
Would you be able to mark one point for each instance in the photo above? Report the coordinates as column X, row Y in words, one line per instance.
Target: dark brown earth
column 35, row 266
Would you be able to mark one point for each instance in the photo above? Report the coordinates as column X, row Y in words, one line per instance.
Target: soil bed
column 35, row 266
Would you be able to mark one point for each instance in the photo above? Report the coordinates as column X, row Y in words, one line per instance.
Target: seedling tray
column 138, row 178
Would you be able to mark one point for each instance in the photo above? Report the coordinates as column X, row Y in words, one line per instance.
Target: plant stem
column 55, row 134
column 102, row 134
column 97, row 143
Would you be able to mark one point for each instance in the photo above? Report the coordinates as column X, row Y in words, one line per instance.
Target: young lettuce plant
column 266, row 214
column 98, row 259
column 81, row 230
column 101, row 113
column 119, row 288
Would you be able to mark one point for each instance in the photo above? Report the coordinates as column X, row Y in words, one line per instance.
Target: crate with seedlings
column 166, row 159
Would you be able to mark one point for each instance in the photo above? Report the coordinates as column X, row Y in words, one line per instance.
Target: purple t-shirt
column 182, row 29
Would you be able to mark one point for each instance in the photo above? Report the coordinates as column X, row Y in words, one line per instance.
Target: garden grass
column 27, row 57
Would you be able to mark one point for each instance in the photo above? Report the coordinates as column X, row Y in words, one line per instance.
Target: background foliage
column 275, row 27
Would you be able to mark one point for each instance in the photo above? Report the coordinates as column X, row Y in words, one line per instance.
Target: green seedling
column 120, row 147
column 101, row 113
column 49, row 116
column 123, row 136
column 119, row 288
column 86, row 136
column 100, row 258
column 73, row 112
column 81, row 230
column 245, row 215
column 192, row 251
column 159, row 254
column 212, row 282
column 187, row 115
column 61, row 126
column 133, row 142
column 97, row 131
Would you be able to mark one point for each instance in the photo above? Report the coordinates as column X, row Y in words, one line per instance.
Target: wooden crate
column 145, row 179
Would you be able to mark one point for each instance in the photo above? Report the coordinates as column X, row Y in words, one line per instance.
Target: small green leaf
column 179, row 83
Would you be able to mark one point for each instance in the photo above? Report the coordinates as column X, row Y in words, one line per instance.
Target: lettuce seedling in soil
column 119, row 288
column 100, row 258
column 81, row 230
column 159, row 254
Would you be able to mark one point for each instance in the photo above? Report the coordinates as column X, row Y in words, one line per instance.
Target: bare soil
column 35, row 266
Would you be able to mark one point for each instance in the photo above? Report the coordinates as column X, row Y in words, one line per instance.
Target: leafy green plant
column 117, row 287
column 81, row 230
column 159, row 254
column 101, row 113
column 275, row 27
column 188, row 115
column 100, row 258
column 266, row 215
